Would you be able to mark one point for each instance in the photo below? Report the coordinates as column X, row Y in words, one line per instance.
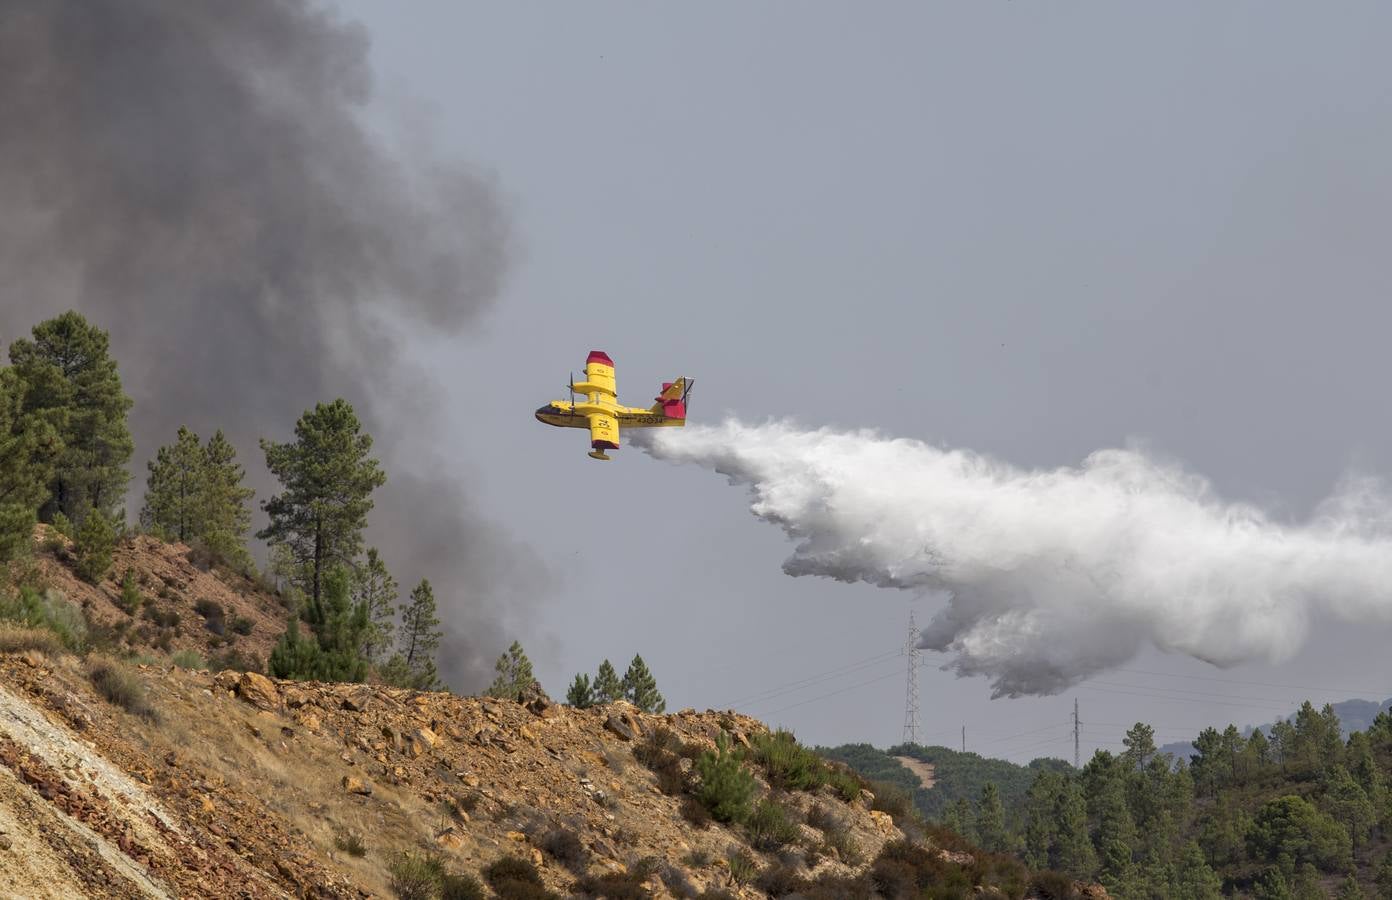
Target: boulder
column 354, row 785
column 619, row 727
column 258, row 690
column 357, row 701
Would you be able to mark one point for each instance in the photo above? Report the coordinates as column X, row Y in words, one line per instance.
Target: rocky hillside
column 182, row 601
column 235, row 785
column 123, row 774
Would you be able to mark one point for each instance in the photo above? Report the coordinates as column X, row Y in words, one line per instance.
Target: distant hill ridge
column 1354, row 715
column 958, row 775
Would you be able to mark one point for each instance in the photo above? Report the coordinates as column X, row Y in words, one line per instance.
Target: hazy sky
column 1029, row 229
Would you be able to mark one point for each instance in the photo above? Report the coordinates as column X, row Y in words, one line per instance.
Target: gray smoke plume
column 1050, row 576
column 196, row 177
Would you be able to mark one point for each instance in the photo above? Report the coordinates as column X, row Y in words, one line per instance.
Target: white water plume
column 1054, row 575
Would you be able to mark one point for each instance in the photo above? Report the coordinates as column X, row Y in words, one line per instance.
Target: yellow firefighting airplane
column 599, row 410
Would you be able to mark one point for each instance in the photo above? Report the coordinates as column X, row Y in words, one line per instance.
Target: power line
column 1161, row 698
column 800, row 683
column 1295, row 687
column 894, row 674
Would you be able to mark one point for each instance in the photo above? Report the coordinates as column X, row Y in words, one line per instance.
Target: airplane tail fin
column 672, row 401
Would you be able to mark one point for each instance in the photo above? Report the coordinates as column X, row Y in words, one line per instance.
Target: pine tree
column 1383, row 878
column 1075, row 852
column 226, row 513
column 1364, row 769
column 514, row 674
column 1272, row 886
column 339, row 626
column 990, row 820
column 1140, row 745
column 958, row 818
column 640, row 688
column 1349, row 889
column 420, row 637
column 1193, row 878
column 96, row 538
column 374, row 586
column 580, row 695
column 328, row 478
column 72, row 382
column 1348, row 803
column 1041, row 834
column 607, row 687
column 293, row 656
column 174, row 489
column 29, row 444
column 1307, row 885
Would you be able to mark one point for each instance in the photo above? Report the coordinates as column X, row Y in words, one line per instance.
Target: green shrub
column 93, row 546
column 201, row 556
column 837, row 837
column 892, row 800
column 461, row 887
column 655, row 745
column 415, row 877
column 743, row 869
column 726, row 787
column 130, row 593
column 48, row 610
column 242, row 625
column 846, row 784
column 189, row 659
column 613, row 886
column 778, row 880
column 164, row 618
column 659, row 752
column 120, row 688
column 788, row 764
column 513, row 878
column 769, row 826
column 213, row 615
column 54, row 542
column 564, row 846
column 351, row 843
column 63, row 525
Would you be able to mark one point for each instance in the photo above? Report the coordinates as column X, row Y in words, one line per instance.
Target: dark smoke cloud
column 195, row 176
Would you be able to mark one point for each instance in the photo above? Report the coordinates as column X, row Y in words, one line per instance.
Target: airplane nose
column 546, row 410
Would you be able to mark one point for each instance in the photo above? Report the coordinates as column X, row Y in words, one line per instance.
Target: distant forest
column 1298, row 810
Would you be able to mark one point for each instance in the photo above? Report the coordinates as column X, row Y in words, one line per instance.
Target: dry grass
column 17, row 639
column 121, row 688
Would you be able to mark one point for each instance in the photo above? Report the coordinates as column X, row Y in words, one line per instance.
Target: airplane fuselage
column 564, row 414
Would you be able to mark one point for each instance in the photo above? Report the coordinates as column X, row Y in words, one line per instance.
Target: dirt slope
column 921, row 770
column 242, row 787
column 171, row 581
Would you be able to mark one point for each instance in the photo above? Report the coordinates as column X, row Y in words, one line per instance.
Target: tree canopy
column 70, row 381
column 328, row 476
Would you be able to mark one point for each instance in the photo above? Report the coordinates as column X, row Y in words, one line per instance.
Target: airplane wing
column 599, row 376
